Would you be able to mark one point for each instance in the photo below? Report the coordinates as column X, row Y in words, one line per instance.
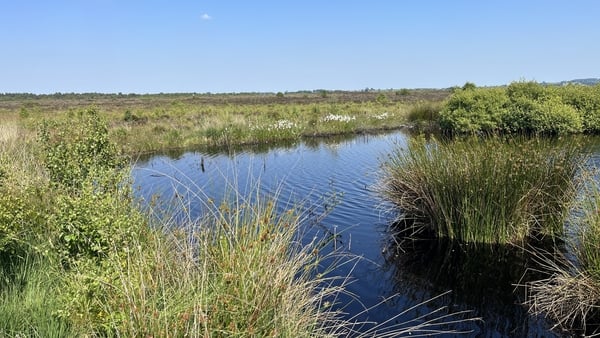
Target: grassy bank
column 483, row 190
column 142, row 123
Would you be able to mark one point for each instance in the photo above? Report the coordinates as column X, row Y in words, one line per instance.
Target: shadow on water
column 483, row 278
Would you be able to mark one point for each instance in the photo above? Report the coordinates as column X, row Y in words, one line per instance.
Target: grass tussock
column 570, row 294
column 28, row 301
column 240, row 271
column 483, row 190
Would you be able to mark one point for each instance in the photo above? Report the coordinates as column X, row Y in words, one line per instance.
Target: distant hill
column 587, row 82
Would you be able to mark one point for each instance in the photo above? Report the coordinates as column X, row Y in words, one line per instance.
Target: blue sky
column 151, row 46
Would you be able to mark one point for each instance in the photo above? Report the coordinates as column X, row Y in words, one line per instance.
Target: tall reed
column 483, row 190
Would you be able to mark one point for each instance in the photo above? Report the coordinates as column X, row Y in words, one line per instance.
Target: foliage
column 522, row 107
column 469, row 86
column 586, row 100
column 77, row 149
column 403, row 92
column 470, row 111
column 489, row 190
column 18, row 218
column 93, row 221
column 382, row 98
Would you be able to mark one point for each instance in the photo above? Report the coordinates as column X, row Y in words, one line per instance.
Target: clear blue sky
column 135, row 46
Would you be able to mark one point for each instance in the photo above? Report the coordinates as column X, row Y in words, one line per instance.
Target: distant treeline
column 523, row 107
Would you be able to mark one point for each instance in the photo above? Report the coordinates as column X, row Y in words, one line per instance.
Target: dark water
column 340, row 174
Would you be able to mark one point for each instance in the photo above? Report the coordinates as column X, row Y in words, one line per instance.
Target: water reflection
column 483, row 278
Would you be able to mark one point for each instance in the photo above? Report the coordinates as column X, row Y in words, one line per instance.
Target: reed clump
column 483, row 190
column 570, row 294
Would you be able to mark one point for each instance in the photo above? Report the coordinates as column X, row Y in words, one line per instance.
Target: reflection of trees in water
column 482, row 278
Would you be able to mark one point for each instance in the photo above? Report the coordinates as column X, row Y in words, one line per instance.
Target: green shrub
column 15, row 218
column 555, row 117
column 587, row 102
column 93, row 221
column 470, row 111
column 21, row 218
column 529, row 90
column 522, row 107
column 382, row 98
column 469, row 86
column 403, row 92
column 78, row 148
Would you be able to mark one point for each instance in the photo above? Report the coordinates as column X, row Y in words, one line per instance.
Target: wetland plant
column 483, row 190
column 570, row 294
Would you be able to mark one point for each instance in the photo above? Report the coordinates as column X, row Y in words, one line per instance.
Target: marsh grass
column 483, row 190
column 240, row 271
column 424, row 112
column 570, row 294
column 227, row 125
column 28, row 299
column 8, row 132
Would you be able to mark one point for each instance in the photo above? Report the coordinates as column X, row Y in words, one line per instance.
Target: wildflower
column 339, row 118
column 381, row 116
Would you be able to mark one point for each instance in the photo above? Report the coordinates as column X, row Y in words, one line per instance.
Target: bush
column 586, row 100
column 554, row 117
column 522, row 107
column 92, row 222
column 77, row 149
column 382, row 98
column 17, row 219
column 470, row 111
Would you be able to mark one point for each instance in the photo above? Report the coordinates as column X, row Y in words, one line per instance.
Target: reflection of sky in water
column 340, row 172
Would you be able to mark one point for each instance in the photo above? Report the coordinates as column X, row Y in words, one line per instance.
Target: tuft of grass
column 239, row 271
column 483, row 190
column 424, row 112
column 570, row 294
column 28, row 299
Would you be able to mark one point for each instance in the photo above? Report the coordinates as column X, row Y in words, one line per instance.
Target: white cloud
column 206, row 17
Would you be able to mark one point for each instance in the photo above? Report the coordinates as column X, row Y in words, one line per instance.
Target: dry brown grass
column 568, row 296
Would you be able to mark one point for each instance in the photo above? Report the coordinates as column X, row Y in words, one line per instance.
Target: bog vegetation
column 80, row 257
column 143, row 123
